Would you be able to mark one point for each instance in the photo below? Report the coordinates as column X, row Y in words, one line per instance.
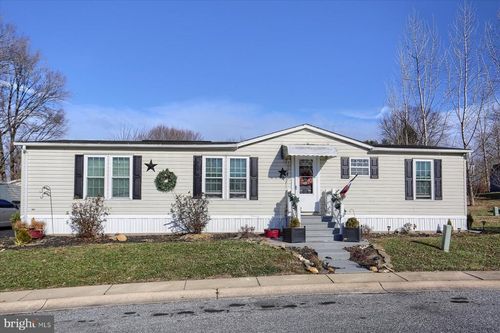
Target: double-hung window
column 96, row 176
column 238, row 177
column 214, row 177
column 423, row 179
column 360, row 166
column 120, row 177
column 108, row 177
column 226, row 177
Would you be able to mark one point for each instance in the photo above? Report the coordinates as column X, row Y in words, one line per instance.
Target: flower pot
column 294, row 235
column 271, row 233
column 351, row 234
column 36, row 234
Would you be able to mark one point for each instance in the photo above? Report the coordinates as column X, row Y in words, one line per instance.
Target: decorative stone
column 313, row 270
column 121, row 238
column 373, row 269
column 331, row 269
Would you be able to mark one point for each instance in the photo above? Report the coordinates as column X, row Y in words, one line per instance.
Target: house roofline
column 236, row 145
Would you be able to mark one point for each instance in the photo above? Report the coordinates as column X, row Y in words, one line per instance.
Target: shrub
column 366, row 229
column 22, row 237
column 18, row 225
column 15, row 217
column 295, row 222
column 470, row 221
column 88, row 216
column 247, row 232
column 37, row 225
column 352, row 222
column 450, row 224
column 406, row 228
column 189, row 215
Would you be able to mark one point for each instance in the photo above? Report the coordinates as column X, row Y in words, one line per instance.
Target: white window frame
column 130, row 177
column 359, row 158
column 415, row 179
column 204, row 173
column 225, row 176
column 247, row 177
column 108, row 176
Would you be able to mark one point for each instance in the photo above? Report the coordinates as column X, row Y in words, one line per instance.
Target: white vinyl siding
column 359, row 166
column 423, row 179
column 55, row 167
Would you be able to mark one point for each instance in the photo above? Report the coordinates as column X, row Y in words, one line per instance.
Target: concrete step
column 319, row 232
column 323, row 227
column 315, row 239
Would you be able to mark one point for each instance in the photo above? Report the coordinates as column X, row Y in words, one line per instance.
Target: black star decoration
column 283, row 173
column 150, row 165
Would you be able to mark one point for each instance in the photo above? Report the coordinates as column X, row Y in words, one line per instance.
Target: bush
column 247, row 232
column 406, row 228
column 352, row 222
column 450, row 224
column 18, row 225
column 470, row 221
column 15, row 217
column 189, row 215
column 295, row 222
column 366, row 229
column 88, row 216
column 22, row 237
column 37, row 225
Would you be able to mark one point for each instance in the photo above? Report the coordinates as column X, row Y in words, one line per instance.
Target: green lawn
column 483, row 211
column 132, row 262
column 467, row 252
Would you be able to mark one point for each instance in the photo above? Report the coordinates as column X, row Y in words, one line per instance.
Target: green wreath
column 165, row 181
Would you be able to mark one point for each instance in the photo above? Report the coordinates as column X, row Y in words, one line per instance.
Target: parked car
column 7, row 208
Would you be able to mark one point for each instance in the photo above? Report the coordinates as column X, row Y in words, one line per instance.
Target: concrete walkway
column 156, row 292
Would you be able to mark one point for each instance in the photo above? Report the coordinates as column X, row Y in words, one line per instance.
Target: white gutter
column 420, row 150
column 123, row 145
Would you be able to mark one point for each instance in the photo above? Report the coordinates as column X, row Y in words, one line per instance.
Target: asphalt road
column 457, row 311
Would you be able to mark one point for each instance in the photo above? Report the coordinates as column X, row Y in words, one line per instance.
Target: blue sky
column 228, row 69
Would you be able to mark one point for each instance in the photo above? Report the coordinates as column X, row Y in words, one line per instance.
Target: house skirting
column 159, row 224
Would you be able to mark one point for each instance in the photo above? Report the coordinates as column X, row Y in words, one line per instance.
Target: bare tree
column 468, row 87
column 30, row 99
column 414, row 100
column 159, row 133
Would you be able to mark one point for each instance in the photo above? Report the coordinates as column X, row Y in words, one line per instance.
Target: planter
column 351, row 234
column 294, row 235
column 36, row 234
column 271, row 233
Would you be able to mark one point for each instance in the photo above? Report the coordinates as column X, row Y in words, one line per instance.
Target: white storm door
column 307, row 187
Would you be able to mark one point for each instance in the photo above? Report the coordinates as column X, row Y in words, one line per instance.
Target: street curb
column 169, row 296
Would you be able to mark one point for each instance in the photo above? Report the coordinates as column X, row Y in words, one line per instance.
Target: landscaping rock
column 331, row 269
column 374, row 269
column 121, row 238
column 313, row 270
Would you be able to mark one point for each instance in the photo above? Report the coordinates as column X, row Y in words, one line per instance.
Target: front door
column 306, row 171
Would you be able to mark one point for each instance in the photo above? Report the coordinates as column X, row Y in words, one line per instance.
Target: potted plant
column 351, row 231
column 295, row 233
column 36, row 229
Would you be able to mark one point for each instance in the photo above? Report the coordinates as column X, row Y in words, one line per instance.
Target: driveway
column 6, row 232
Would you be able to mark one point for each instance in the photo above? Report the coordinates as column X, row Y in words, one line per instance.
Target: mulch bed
column 59, row 241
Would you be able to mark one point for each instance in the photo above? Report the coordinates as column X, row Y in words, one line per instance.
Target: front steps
column 320, row 232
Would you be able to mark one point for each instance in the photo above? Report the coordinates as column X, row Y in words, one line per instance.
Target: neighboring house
column 11, row 191
column 396, row 185
column 495, row 178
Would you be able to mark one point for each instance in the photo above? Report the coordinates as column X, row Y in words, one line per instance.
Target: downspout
column 24, row 184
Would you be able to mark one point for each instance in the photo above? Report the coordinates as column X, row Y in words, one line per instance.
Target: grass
column 483, row 211
column 133, row 262
column 467, row 252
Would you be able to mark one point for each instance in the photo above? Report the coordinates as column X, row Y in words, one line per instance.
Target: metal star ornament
column 283, row 173
column 150, row 165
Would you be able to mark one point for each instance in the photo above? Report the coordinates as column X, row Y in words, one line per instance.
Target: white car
column 7, row 208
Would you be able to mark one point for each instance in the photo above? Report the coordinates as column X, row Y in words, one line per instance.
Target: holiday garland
column 165, row 181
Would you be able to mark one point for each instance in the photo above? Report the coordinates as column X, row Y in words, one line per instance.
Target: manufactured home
column 246, row 182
